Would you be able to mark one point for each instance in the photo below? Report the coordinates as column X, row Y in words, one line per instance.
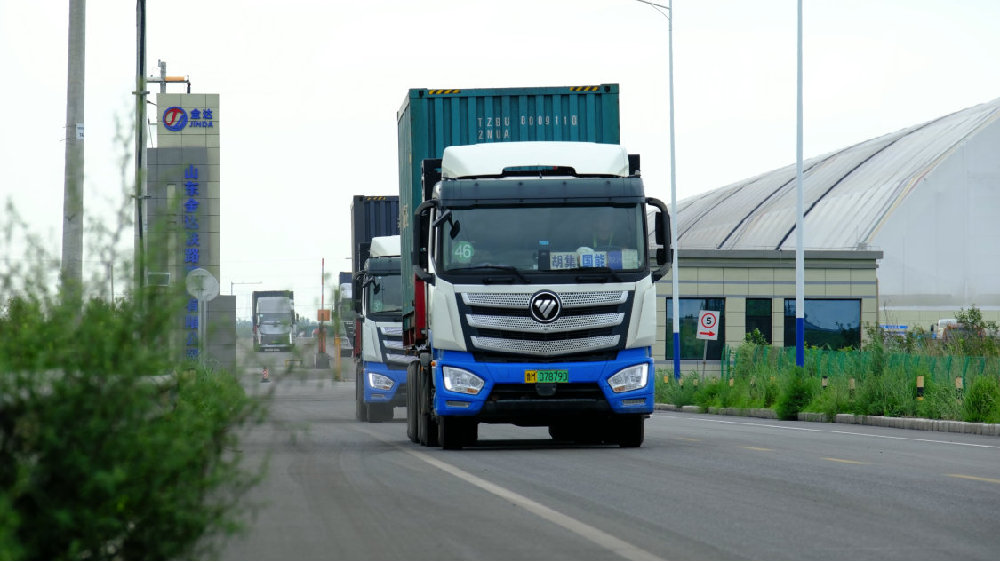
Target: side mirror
column 421, row 241
column 661, row 237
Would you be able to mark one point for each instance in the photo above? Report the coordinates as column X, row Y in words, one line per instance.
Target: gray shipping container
column 430, row 120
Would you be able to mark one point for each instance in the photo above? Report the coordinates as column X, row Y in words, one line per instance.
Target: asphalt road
column 701, row 487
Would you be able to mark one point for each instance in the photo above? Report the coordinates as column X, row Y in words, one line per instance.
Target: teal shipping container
column 430, row 120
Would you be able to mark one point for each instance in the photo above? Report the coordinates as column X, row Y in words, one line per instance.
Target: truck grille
column 391, row 339
column 501, row 324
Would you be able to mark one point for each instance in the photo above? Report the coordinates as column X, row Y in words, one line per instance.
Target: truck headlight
column 460, row 380
column 629, row 378
column 380, row 382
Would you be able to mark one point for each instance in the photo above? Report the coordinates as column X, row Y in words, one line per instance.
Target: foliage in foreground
column 99, row 459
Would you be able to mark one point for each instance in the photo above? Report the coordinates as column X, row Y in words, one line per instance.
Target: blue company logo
column 174, row 118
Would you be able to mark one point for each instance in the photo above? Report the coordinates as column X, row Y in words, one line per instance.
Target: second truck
column 379, row 362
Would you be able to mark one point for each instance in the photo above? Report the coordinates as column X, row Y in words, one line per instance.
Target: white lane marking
column 780, row 426
column 593, row 534
column 835, row 431
column 870, row 435
column 956, row 443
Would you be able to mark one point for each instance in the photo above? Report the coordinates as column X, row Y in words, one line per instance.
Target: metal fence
column 859, row 364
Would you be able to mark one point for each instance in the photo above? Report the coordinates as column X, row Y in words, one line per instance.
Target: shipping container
column 430, row 120
column 371, row 216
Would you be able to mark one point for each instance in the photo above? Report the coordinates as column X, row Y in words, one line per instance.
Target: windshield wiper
column 604, row 269
column 509, row 268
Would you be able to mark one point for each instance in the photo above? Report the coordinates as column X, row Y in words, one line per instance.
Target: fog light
column 629, row 378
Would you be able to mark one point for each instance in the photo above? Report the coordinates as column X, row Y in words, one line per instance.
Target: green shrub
column 110, row 448
column 796, row 392
column 755, row 337
column 940, row 401
column 679, row 393
column 982, row 402
column 834, row 399
column 885, row 393
column 98, row 459
column 709, row 393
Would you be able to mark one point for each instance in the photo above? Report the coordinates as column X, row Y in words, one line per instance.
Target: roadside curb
column 921, row 424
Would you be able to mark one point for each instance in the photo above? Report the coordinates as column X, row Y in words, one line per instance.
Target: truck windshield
column 549, row 238
column 385, row 294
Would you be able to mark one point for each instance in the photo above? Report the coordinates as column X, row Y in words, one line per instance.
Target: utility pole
column 140, row 142
column 72, row 224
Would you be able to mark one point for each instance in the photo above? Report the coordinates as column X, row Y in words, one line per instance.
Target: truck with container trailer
column 529, row 293
column 380, row 365
column 372, row 216
column 273, row 316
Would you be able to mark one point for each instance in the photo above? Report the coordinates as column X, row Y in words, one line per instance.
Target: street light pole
column 675, row 297
column 800, row 261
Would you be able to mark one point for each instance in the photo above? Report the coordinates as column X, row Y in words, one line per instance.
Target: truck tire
column 360, row 409
column 427, row 430
column 379, row 412
column 630, row 430
column 455, row 432
column 562, row 432
column 411, row 401
column 581, row 432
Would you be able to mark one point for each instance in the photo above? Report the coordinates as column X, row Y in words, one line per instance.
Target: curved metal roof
column 848, row 194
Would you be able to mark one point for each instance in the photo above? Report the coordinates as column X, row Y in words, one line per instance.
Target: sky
column 309, row 92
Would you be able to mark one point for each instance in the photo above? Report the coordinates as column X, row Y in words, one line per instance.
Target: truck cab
column 535, row 302
column 380, row 362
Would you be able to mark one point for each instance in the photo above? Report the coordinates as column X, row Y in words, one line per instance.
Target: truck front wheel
column 379, row 412
column 411, row 401
column 455, row 432
column 630, row 430
column 427, row 430
column 360, row 409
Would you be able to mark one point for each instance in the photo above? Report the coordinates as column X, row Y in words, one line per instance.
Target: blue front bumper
column 506, row 398
column 396, row 395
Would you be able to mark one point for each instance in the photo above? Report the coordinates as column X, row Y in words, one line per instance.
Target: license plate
column 546, row 376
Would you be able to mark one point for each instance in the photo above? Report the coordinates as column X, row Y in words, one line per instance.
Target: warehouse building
column 900, row 231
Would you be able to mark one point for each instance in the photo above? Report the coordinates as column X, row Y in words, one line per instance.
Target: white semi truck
column 534, row 301
column 380, row 363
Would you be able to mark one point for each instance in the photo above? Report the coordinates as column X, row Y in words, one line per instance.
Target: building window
column 759, row 317
column 829, row 323
column 691, row 346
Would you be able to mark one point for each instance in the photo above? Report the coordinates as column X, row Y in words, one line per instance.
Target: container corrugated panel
column 371, row 216
column 430, row 120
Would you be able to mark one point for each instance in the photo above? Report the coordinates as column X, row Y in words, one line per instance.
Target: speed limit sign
column 708, row 322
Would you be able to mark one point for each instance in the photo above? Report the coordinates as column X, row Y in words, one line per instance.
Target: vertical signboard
column 184, row 199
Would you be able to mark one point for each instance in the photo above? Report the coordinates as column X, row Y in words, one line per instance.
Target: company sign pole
column 708, row 324
column 203, row 286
